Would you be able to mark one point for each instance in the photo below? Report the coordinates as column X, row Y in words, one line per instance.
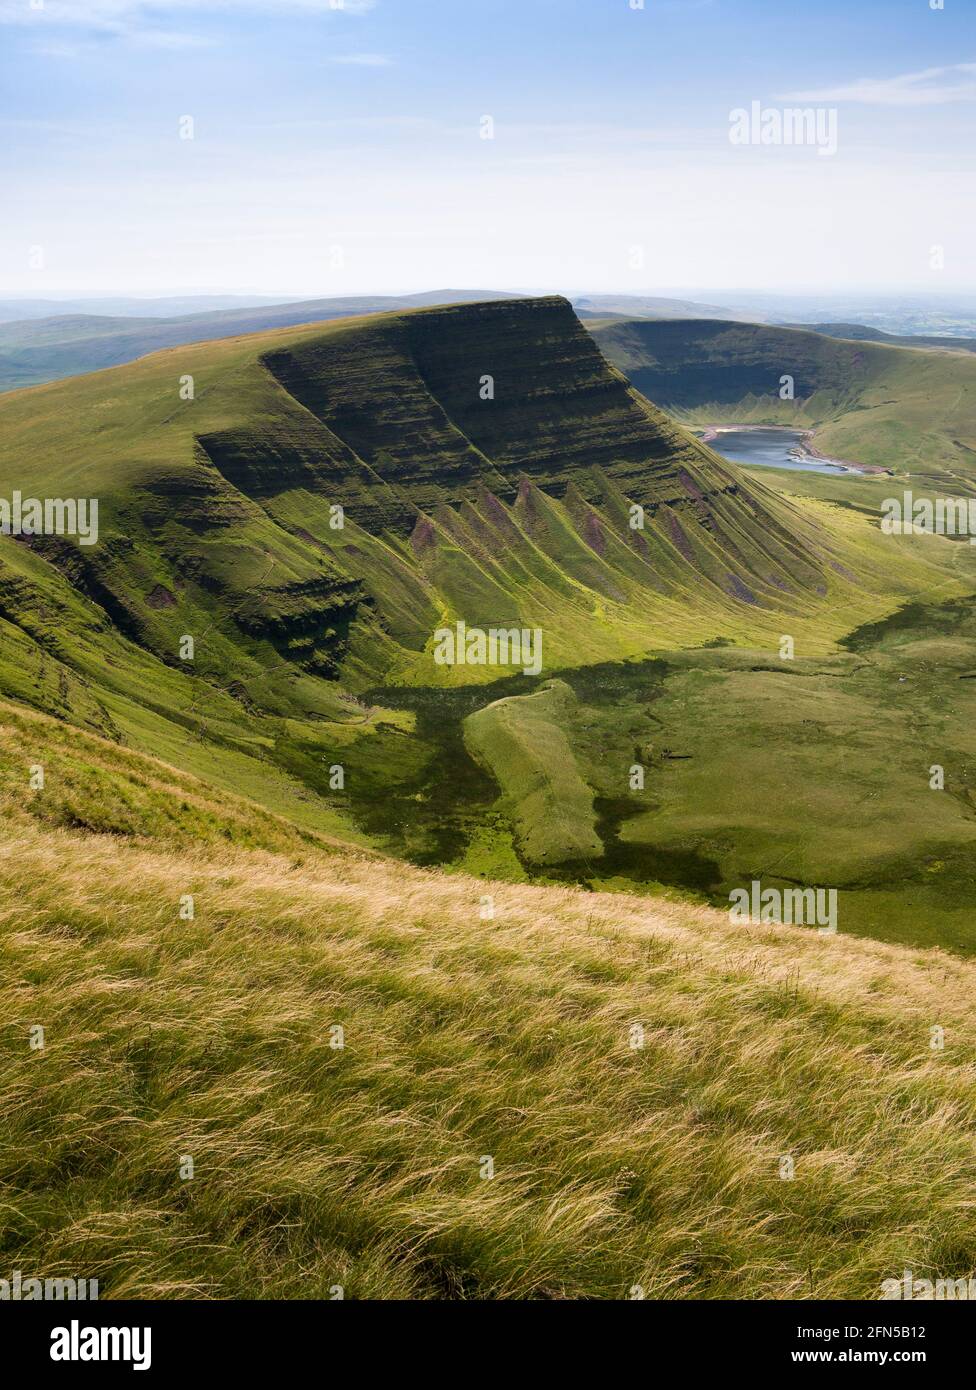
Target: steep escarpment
column 430, row 402
column 316, row 501
column 493, row 451
column 286, row 520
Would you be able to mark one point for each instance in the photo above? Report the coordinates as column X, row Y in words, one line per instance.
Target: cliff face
column 559, row 409
column 491, row 447
column 331, row 493
column 432, row 403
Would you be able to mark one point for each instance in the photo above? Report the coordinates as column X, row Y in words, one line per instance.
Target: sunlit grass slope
column 468, row 1037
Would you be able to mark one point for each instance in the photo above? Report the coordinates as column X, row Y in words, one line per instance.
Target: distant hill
column 129, row 306
column 38, row 349
column 180, row 306
column 860, row 331
column 947, row 314
column 655, row 307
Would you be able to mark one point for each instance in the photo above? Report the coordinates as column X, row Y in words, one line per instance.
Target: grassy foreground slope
column 467, row 1037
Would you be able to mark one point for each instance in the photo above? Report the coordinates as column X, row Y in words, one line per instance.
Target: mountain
column 46, row 346
column 870, row 402
column 41, row 348
column 290, row 521
column 46, row 340
column 485, row 508
column 39, row 344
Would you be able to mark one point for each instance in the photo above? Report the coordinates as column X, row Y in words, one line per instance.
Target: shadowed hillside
column 896, row 407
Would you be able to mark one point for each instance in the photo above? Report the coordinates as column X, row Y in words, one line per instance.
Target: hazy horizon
column 343, row 147
column 702, row 295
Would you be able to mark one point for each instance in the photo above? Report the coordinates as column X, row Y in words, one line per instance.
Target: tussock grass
column 94, row 785
column 464, row 1038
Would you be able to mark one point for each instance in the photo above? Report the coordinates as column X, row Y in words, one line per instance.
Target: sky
column 338, row 146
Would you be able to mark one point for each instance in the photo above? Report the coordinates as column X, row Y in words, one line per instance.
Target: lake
column 770, row 449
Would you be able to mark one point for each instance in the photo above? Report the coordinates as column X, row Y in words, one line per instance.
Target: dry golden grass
column 317, row 1166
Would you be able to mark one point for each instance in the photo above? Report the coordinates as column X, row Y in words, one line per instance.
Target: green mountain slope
column 312, row 684
column 217, row 512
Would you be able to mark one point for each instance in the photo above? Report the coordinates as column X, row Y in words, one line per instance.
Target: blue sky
column 338, row 149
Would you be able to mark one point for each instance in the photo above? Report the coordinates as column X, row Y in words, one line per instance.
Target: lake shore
column 805, row 446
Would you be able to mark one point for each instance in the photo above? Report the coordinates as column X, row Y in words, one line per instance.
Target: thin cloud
column 126, row 17
column 930, row 87
column 75, row 48
column 170, row 38
column 363, row 60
